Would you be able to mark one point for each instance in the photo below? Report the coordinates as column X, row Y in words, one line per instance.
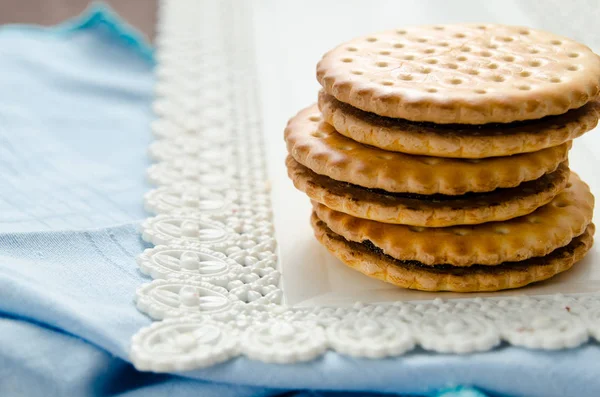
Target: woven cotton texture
column 74, row 131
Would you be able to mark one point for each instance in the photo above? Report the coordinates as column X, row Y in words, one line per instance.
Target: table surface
column 139, row 13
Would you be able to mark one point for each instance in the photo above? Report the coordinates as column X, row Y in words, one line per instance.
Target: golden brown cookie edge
column 432, row 142
column 316, row 145
column 537, row 234
column 358, row 257
column 351, row 200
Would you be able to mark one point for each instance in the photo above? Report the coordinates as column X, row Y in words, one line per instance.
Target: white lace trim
column 216, row 289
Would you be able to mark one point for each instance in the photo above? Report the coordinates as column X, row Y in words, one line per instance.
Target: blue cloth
column 74, row 129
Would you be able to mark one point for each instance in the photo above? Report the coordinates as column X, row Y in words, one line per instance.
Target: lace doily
column 216, row 292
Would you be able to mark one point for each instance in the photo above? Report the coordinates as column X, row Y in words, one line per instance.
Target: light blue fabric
column 74, row 129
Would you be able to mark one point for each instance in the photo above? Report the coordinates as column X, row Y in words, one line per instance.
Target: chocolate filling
column 457, row 270
column 535, row 186
column 496, row 197
column 490, row 129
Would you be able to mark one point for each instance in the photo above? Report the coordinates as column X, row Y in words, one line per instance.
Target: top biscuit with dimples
column 462, row 73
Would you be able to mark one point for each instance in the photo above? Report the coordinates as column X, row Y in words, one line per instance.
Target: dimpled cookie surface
column 462, row 73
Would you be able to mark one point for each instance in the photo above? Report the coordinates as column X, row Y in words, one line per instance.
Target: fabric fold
column 74, row 131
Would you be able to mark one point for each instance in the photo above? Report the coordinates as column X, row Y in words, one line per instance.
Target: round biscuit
column 457, row 141
column 472, row 279
column 434, row 211
column 537, row 234
column 462, row 73
column 316, row 145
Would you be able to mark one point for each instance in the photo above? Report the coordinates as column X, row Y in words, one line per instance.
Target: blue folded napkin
column 74, row 129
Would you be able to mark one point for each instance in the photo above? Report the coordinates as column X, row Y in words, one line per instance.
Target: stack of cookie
column 437, row 156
